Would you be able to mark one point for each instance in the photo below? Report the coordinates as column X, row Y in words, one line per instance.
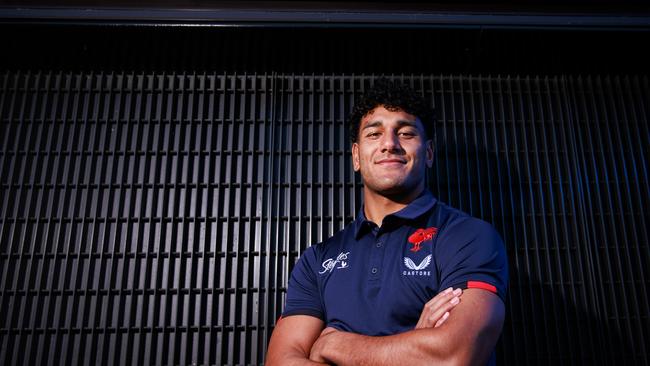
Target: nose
column 390, row 142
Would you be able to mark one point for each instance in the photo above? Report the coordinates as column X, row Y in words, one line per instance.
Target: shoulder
column 458, row 226
column 470, row 239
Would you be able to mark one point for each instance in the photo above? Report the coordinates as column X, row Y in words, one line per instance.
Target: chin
column 397, row 189
column 394, row 187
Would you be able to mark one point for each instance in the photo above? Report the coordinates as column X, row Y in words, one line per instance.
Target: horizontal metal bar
column 242, row 17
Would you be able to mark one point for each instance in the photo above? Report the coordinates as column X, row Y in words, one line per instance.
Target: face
column 391, row 152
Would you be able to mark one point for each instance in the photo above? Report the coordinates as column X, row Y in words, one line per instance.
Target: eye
column 407, row 134
column 373, row 134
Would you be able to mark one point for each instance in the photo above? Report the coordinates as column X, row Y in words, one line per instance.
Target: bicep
column 293, row 338
column 474, row 326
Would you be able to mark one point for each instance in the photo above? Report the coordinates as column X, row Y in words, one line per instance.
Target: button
column 374, row 271
column 379, row 244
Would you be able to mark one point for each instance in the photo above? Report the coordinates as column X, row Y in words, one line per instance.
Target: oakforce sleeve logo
column 331, row 264
column 420, row 236
column 408, row 262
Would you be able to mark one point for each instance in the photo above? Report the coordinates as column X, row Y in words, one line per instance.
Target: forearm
column 466, row 338
column 291, row 360
column 289, row 355
column 292, row 340
column 421, row 346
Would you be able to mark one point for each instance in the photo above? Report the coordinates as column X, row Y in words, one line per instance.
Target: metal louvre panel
column 154, row 218
column 614, row 156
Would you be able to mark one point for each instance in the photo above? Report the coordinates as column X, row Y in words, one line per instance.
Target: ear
column 355, row 157
column 429, row 148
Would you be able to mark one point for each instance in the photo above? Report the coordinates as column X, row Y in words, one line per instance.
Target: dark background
column 163, row 166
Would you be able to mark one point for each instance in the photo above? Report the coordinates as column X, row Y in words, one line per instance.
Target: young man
column 411, row 281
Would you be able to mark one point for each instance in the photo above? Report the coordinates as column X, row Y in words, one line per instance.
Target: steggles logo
column 331, row 264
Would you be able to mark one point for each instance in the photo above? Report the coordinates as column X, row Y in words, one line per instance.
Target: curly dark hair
column 394, row 97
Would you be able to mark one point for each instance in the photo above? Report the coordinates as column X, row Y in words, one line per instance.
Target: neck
column 376, row 206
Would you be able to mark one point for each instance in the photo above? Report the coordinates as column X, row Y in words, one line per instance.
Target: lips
column 391, row 161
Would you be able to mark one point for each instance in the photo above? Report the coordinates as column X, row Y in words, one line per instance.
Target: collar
column 415, row 209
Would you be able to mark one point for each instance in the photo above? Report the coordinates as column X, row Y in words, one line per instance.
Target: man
column 411, row 281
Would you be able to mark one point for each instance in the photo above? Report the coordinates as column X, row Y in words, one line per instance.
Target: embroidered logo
column 417, row 269
column 331, row 264
column 420, row 236
column 408, row 262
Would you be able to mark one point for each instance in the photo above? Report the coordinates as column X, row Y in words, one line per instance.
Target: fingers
column 436, row 311
column 442, row 320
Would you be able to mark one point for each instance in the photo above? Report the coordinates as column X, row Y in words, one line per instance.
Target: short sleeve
column 470, row 254
column 303, row 295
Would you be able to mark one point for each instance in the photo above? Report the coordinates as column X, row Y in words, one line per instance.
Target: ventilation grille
column 155, row 218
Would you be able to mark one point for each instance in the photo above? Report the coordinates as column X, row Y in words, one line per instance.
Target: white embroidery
column 330, row 264
column 417, row 267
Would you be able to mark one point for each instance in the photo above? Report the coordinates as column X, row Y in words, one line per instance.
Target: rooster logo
column 420, row 236
column 408, row 262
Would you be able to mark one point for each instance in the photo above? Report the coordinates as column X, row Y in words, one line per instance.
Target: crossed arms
column 449, row 332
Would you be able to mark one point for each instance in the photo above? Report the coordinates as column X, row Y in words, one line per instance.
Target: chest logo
column 420, row 236
column 408, row 262
column 331, row 264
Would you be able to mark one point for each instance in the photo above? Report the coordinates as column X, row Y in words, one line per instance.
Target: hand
column 436, row 311
column 318, row 346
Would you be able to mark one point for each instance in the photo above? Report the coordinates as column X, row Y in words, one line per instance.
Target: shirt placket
column 377, row 254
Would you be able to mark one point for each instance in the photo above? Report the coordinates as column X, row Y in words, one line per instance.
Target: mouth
column 390, row 161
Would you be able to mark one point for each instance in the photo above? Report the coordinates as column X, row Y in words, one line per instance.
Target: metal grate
column 153, row 218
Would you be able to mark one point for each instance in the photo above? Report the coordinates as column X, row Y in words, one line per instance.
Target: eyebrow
column 400, row 123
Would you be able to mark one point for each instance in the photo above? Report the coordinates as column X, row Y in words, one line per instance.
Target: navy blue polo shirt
column 375, row 280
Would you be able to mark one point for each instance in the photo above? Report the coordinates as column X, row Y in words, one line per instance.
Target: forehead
column 384, row 116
